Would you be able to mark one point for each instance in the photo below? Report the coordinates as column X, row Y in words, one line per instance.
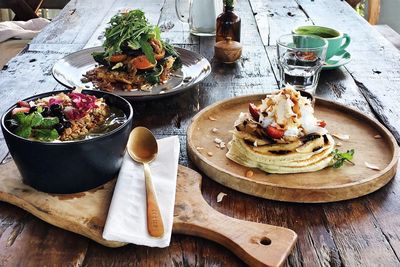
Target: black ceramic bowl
column 74, row 166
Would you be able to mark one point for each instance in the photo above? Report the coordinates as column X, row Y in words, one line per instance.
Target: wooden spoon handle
column 155, row 225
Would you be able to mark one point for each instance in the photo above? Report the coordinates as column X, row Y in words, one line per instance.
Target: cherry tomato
column 254, row 112
column 274, row 132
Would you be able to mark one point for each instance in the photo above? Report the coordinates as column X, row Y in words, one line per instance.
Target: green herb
column 35, row 125
column 132, row 30
column 49, row 122
column 147, row 50
column 153, row 76
column 340, row 158
column 100, row 57
column 45, row 134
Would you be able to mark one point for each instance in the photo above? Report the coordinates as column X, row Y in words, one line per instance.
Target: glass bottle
column 228, row 23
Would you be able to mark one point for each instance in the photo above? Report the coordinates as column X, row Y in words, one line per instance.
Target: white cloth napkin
column 21, row 29
column 126, row 220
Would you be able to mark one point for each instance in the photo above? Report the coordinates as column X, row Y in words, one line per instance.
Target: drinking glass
column 300, row 60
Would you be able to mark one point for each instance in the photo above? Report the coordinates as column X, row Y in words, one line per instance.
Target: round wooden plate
column 326, row 185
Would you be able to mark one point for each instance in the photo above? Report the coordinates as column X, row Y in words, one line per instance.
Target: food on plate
column 281, row 135
column 134, row 56
column 64, row 117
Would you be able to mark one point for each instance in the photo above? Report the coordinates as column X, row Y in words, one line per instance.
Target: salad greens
column 132, row 30
column 34, row 124
column 340, row 158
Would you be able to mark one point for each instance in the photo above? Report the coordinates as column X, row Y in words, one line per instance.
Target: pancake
column 292, row 162
column 281, row 135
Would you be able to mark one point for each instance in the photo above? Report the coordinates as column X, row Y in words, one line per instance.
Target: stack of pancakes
column 304, row 146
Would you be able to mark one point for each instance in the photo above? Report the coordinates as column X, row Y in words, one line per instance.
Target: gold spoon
column 142, row 147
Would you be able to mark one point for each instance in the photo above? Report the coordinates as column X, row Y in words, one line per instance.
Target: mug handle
column 178, row 12
column 346, row 43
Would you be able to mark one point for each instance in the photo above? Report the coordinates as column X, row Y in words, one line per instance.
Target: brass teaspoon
column 142, row 147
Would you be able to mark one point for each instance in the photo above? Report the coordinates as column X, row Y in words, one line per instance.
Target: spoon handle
column 155, row 225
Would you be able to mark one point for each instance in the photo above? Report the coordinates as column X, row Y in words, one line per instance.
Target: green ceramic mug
column 337, row 41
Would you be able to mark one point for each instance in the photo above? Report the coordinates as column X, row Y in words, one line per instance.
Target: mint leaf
column 147, row 50
column 35, row 118
column 20, row 117
column 48, row 122
column 31, row 120
column 45, row 134
column 23, row 131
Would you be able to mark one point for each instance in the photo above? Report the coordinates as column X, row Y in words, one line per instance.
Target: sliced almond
column 249, row 173
column 217, row 140
column 199, row 148
column 341, row 136
column 210, row 154
column 339, row 144
column 211, row 118
column 220, row 196
column 372, row 166
column 214, row 130
column 377, row 136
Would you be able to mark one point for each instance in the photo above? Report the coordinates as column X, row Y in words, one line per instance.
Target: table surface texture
column 359, row 232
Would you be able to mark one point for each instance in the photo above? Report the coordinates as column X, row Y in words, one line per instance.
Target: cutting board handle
column 256, row 244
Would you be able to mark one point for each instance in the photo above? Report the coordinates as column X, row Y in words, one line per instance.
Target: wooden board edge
column 58, row 221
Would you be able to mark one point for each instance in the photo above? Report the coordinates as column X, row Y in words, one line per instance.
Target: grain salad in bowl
column 68, row 141
column 64, row 117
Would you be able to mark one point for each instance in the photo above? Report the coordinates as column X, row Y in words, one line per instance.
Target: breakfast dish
column 281, row 135
column 64, row 117
column 134, row 57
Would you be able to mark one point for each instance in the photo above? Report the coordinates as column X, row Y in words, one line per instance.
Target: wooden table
column 360, row 232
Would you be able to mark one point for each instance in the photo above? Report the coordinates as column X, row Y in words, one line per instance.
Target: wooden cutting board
column 322, row 186
column 85, row 213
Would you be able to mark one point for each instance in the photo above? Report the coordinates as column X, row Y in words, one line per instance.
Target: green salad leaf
column 130, row 29
column 147, row 50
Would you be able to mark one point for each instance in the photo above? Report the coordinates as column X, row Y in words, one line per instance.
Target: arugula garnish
column 340, row 158
column 133, row 30
column 34, row 125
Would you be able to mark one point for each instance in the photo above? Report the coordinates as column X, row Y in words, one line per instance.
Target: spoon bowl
column 142, row 147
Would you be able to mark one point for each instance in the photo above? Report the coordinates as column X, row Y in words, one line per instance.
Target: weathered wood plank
column 183, row 251
column 173, row 30
column 274, row 15
column 75, row 23
column 27, row 241
column 390, row 34
column 375, row 61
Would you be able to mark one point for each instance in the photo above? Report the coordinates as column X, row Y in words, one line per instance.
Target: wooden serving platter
column 326, row 185
column 85, row 213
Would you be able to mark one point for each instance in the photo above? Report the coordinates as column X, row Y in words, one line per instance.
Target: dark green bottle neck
column 228, row 8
